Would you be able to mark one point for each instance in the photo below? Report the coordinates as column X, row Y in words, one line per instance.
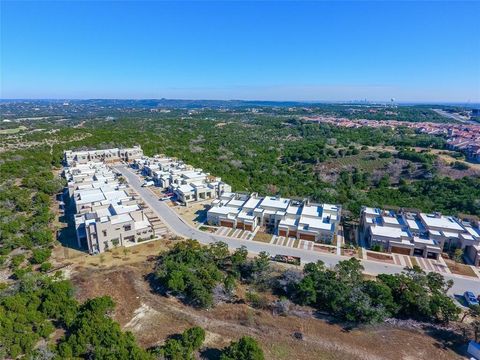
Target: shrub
column 40, row 255
column 246, row 348
column 45, row 267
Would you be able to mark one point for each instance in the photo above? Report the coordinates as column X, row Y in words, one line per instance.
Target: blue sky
column 411, row 51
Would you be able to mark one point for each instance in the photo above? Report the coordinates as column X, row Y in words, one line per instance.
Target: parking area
column 284, row 241
column 159, row 228
column 425, row 264
column 235, row 233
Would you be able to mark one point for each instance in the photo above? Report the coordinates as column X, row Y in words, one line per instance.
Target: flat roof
column 185, row 188
column 413, row 224
column 252, row 202
column 443, row 222
column 139, row 225
column 224, row 210
column 450, row 234
column 371, row 211
column 288, row 222
column 388, row 231
column 90, row 197
column 314, row 223
column 331, row 207
column 312, row 210
column 294, row 209
column 275, row 202
column 425, row 241
column 467, row 236
column 118, row 219
column 390, row 220
column 472, row 231
column 235, row 202
column 245, row 215
column 123, row 209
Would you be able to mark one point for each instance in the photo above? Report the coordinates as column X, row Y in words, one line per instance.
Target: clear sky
column 411, row 51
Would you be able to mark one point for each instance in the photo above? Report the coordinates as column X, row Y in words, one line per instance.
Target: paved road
column 178, row 226
column 454, row 116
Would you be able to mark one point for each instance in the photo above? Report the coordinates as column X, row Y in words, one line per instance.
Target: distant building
column 475, row 115
column 187, row 183
column 107, row 155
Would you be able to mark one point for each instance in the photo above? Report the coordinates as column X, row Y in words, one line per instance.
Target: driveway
column 181, row 228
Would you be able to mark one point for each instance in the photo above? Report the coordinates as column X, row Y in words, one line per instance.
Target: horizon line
column 365, row 101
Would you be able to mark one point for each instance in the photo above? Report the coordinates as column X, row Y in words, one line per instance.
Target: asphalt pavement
column 181, row 228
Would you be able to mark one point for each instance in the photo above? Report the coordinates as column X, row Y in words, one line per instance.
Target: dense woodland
column 202, row 276
column 272, row 155
column 40, row 307
column 255, row 153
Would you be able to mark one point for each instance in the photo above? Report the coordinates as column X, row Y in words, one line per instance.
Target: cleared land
column 12, row 130
column 460, row 269
column 152, row 318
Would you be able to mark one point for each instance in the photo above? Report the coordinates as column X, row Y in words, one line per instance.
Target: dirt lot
column 460, row 269
column 78, row 261
column 152, row 318
column 195, row 213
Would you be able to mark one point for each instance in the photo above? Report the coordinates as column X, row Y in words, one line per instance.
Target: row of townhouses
column 285, row 217
column 107, row 155
column 415, row 233
column 106, row 216
column 187, row 183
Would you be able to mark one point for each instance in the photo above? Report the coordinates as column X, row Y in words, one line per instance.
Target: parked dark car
column 470, row 298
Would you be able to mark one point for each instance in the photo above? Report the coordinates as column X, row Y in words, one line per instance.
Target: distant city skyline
column 426, row 52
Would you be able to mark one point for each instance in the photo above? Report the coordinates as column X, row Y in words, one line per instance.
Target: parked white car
column 148, row 183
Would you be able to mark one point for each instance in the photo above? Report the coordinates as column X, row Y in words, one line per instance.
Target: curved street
column 179, row 227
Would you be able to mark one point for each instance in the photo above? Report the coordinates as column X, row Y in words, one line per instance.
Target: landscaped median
column 460, row 269
column 262, row 237
column 376, row 256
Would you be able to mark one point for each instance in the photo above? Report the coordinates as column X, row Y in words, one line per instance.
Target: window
column 115, row 242
column 104, row 232
column 127, row 227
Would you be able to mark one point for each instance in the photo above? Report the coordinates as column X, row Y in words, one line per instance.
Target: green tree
column 246, row 348
column 183, row 347
column 193, row 338
column 458, row 256
column 40, row 255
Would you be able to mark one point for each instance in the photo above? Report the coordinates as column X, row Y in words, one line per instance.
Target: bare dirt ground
column 195, row 213
column 152, row 317
column 446, row 155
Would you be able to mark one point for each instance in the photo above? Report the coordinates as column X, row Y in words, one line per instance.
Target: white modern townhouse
column 117, row 224
column 107, row 155
column 299, row 219
column 189, row 184
column 416, row 233
column 106, row 216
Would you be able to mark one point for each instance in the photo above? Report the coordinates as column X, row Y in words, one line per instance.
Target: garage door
column 226, row 223
column 400, row 250
column 307, row 237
